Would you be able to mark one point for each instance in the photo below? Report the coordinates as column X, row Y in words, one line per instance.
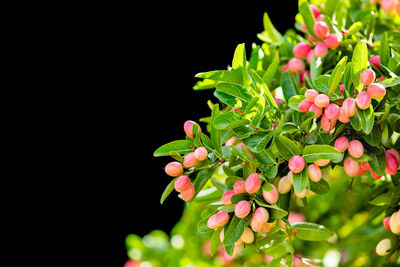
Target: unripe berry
column 200, row 153
column 327, row 124
column 261, row 215
column 322, row 162
column 376, row 90
column 317, row 110
column 386, row 222
column 181, row 183
column 349, row 107
column 320, row 50
column 296, row 65
column 265, row 228
column 388, row 5
column 356, row 149
column 174, row 169
column 227, row 196
column 321, row 100
column 395, row 223
column 253, row 183
column 321, row 29
column 315, row 10
column 255, row 225
column 188, row 193
column 242, row 209
column 376, row 61
column 311, row 94
column 391, row 163
column 314, row 173
column 332, row 111
column 190, row 160
column 284, row 185
column 301, row 194
column 296, row 164
column 239, row 187
column 188, row 128
column 290, row 177
column 304, row 105
column 332, row 41
column 247, row 236
column 342, row 143
column 367, row 77
column 217, row 220
column 301, row 50
column 351, row 167
column 363, row 100
column 309, row 56
column 343, row 118
column 383, row 247
column 271, row 196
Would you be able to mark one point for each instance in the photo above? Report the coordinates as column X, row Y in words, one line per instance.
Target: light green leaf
column 257, row 143
column 289, row 86
column 336, row 75
column 270, row 34
column 222, row 76
column 180, row 146
column 236, row 229
column 167, row 191
column 300, row 181
column 311, row 231
column 228, row 120
column 286, row 147
column 313, row 153
column 359, row 63
column 366, row 119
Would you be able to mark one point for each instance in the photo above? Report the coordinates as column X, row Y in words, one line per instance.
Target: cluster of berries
column 392, row 223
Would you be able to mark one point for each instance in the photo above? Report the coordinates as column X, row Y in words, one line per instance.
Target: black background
column 159, row 52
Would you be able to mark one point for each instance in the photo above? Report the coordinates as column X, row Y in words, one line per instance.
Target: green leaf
column 308, row 17
column 201, row 179
column 270, row 34
column 253, row 74
column 300, row 181
column 228, row 120
column 294, row 102
column 222, row 76
column 167, row 191
column 355, row 122
column 315, row 68
column 359, row 63
column 234, row 90
column 390, row 82
column 320, row 188
column 236, row 229
column 239, row 197
column 256, row 143
column 322, row 83
column 384, row 49
column 286, row 147
column 374, row 138
column 289, row 86
column 378, row 162
column 180, row 146
column 394, row 122
column 215, row 241
column 381, row 200
column 366, row 119
column 202, row 225
column 272, row 69
column 311, row 231
column 255, row 110
column 265, row 157
column 313, row 153
column 336, row 75
column 215, row 133
column 272, row 239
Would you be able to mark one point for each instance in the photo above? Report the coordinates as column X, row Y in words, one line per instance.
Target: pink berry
column 255, row 225
column 188, row 128
column 239, row 187
column 320, row 17
column 391, row 163
column 182, row 183
column 342, row 88
column 342, row 143
column 356, row 149
column 301, row 50
column 312, row 39
column 320, row 50
column 285, row 68
column 332, row 111
column 351, row 167
column 304, row 105
column 310, row 94
column 242, row 209
column 386, row 222
column 230, row 141
column 398, row 8
column 332, row 41
column 367, row 77
column 314, row 173
column 327, row 124
column 303, row 27
column 376, row 90
column 296, row 164
column 349, row 107
column 315, row 10
column 174, row 169
column 200, row 153
column 227, row 196
column 271, row 196
column 278, row 100
column 253, row 183
column 342, row 116
column 395, row 153
column 190, row 160
column 388, row 5
column 321, row 100
column 188, row 193
column 322, row 162
column 217, row 220
column 261, row 215
column 363, row 100
column 303, row 76
column 317, row 110
column 310, row 55
column 376, row 61
column 284, row 185
column 321, row 29
column 296, row 65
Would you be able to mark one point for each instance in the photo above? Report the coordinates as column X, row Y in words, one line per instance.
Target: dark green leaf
column 300, row 181
column 167, row 191
column 320, row 188
column 312, row 153
column 286, row 147
column 311, row 231
column 256, row 143
column 235, row 230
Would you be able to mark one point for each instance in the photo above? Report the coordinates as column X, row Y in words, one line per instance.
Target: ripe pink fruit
column 304, row 105
column 285, row 68
column 188, row 128
column 242, row 209
column 363, row 100
column 332, row 111
column 332, row 41
column 296, row 65
column 388, row 5
column 301, row 50
column 174, row 169
column 386, row 222
column 376, row 90
column 239, row 187
column 310, row 55
column 367, row 77
column 284, row 185
column 320, row 17
column 320, row 50
column 395, row 153
column 351, row 167
column 321, row 29
column 230, row 141
column 190, row 160
column 200, row 153
column 342, row 116
column 327, row 124
column 317, row 110
column 188, row 193
column 296, row 164
column 303, row 76
column 342, row 88
column 374, row 175
column 322, row 162
column 321, row 100
column 356, row 149
column 376, row 61
column 349, row 107
column 342, row 143
column 253, row 183
column 227, row 196
column 310, row 94
column 315, row 10
column 265, row 228
column 312, row 39
column 314, row 172
column 278, row 100
column 303, row 27
column 391, row 163
column 261, row 215
column 365, row 166
column 398, row 8
column 182, row 183
column 271, row 196
column 255, row 225
column 217, row 220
